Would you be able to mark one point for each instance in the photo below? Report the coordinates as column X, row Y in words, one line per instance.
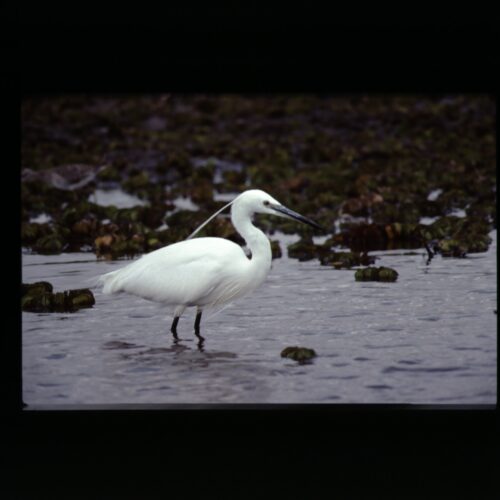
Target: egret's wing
column 177, row 274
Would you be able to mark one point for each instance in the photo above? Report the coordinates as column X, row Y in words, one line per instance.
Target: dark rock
column 31, row 232
column 300, row 354
column 364, row 237
column 79, row 298
column 276, row 249
column 38, row 297
column 376, row 274
column 304, row 249
column 457, row 236
column 36, row 288
column 109, row 174
column 40, row 302
column 49, row 245
column 136, row 183
column 448, row 247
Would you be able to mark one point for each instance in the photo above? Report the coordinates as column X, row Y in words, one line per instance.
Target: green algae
column 303, row 250
column 300, row 354
column 376, row 274
column 39, row 297
column 276, row 249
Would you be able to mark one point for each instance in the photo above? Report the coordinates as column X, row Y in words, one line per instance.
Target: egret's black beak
column 294, row 215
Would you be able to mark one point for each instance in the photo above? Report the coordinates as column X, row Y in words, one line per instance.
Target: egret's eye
column 266, row 203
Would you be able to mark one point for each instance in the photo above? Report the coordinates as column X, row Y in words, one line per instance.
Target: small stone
column 300, row 354
column 376, row 274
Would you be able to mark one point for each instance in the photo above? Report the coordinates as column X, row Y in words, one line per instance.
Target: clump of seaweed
column 39, row 297
column 300, row 354
column 376, row 274
column 303, row 250
column 453, row 236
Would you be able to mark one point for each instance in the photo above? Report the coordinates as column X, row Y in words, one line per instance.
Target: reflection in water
column 117, row 344
column 175, row 350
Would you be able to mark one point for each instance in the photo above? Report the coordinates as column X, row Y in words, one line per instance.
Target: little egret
column 205, row 272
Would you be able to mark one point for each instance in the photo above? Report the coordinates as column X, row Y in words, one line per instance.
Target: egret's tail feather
column 109, row 282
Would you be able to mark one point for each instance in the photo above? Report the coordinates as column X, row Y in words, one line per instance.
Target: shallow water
column 429, row 338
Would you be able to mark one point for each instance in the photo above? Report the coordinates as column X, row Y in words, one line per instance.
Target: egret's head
column 257, row 201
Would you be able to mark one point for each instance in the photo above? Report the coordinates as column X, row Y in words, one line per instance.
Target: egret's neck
column 256, row 240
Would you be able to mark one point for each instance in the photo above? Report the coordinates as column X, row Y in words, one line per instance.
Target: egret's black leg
column 430, row 254
column 197, row 327
column 173, row 328
column 197, row 323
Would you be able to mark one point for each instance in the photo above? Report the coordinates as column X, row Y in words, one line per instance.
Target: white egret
column 205, row 272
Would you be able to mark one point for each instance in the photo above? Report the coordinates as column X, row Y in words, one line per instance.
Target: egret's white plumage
column 204, row 272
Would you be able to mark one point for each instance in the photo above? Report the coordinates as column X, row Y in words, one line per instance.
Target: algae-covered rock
column 38, row 302
column 31, row 232
column 304, row 249
column 367, row 237
column 448, row 247
column 457, row 236
column 387, row 274
column 136, row 183
column 376, row 274
column 363, row 237
column 36, row 288
column 275, row 249
column 79, row 298
column 297, row 353
column 49, row 245
column 109, row 174
column 38, row 297
column 320, row 155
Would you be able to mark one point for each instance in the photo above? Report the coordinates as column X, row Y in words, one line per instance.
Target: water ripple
column 391, row 369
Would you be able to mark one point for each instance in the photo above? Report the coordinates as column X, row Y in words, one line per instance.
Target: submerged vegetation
column 378, row 172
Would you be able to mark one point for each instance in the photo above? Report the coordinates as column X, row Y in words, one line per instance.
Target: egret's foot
column 430, row 253
column 200, row 346
column 174, row 333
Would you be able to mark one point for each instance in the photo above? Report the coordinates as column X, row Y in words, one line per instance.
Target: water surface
column 429, row 338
